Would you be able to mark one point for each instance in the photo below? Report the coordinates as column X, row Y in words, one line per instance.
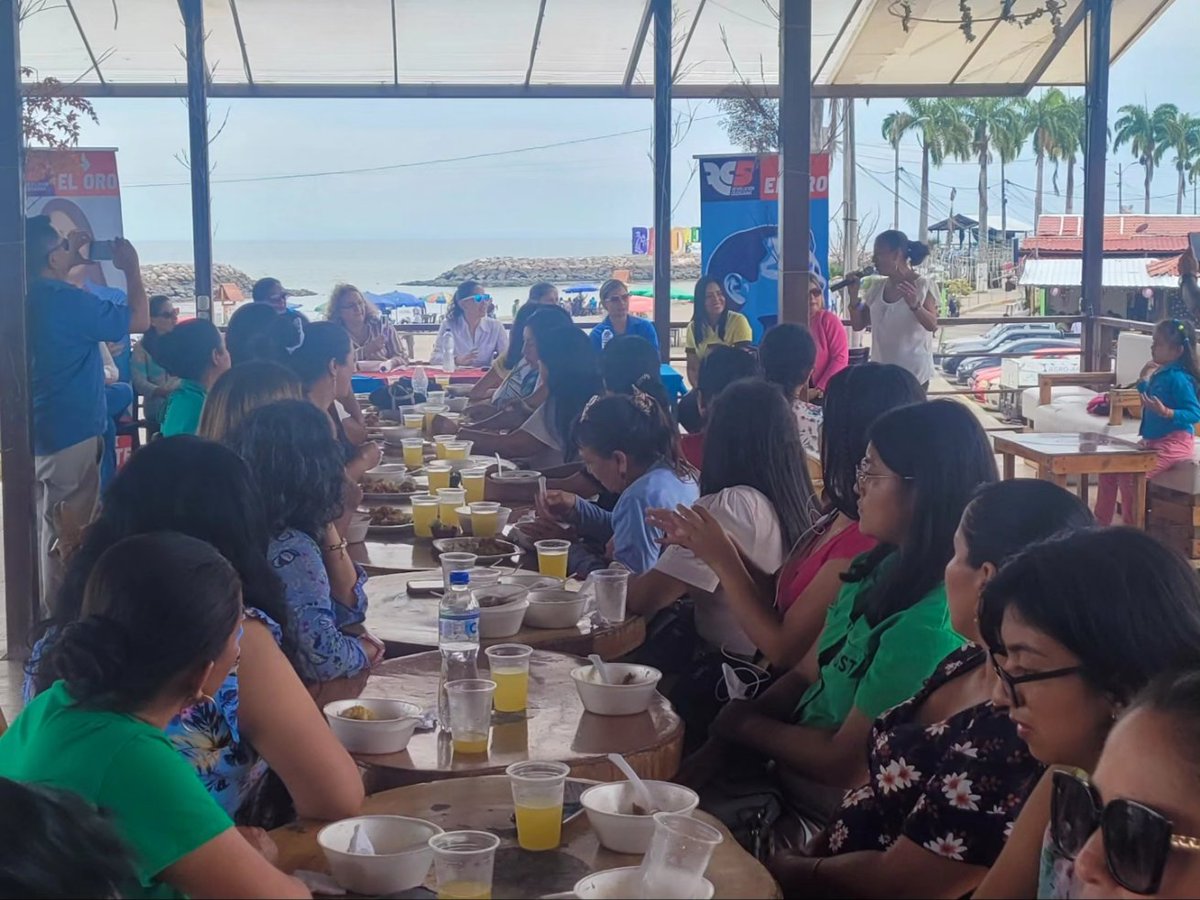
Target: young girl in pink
column 1170, row 410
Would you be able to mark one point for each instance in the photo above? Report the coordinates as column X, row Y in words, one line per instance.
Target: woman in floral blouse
column 947, row 772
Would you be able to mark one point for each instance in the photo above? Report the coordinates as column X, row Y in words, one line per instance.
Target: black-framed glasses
column 1137, row 838
column 173, row 314
column 1011, row 682
column 815, row 292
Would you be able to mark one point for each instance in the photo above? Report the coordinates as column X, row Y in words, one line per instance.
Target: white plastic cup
column 455, row 562
column 464, row 862
column 679, row 853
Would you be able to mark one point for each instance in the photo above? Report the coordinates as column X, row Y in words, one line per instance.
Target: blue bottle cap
column 460, row 577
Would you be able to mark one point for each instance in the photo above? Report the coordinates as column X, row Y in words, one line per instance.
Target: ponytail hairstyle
column 914, row 251
column 630, row 363
column 247, row 336
column 187, row 350
column 635, row 425
column 157, row 609
column 468, row 288
column 307, row 348
column 1182, row 335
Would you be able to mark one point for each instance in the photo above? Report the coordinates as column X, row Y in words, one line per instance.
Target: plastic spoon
column 601, row 669
column 639, row 786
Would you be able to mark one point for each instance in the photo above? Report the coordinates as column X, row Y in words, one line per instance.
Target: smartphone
column 1194, row 243
column 100, row 250
column 426, row 586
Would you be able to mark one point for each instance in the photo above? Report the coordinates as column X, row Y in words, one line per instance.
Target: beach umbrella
column 395, row 300
column 581, row 289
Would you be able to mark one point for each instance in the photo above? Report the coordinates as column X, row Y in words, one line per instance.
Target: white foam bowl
column 389, row 733
column 401, row 860
column 554, row 608
column 625, row 882
column 386, row 472
column 356, row 533
column 616, row 699
column 457, row 404
column 394, row 434
column 623, row 832
column 504, row 621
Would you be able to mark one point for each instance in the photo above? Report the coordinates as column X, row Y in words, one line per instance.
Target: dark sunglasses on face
column 617, row 298
column 1137, row 839
column 816, row 292
column 1011, row 682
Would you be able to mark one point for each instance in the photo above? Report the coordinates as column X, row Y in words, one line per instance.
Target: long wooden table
column 409, row 624
column 485, row 803
column 556, row 728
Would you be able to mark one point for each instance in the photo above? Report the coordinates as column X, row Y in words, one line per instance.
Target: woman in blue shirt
column 614, row 294
column 632, row 448
column 1170, row 411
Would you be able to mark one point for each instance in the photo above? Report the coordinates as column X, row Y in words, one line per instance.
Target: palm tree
column 1009, row 141
column 1183, row 136
column 895, row 124
column 940, row 132
column 1193, row 175
column 1146, row 134
column 1073, row 145
column 1049, row 119
column 985, row 116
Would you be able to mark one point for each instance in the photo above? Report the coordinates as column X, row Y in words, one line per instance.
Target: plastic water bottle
column 448, row 363
column 458, row 638
column 420, row 384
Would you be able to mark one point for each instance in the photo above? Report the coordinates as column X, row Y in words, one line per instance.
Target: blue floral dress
column 207, row 734
column 954, row 787
column 316, row 621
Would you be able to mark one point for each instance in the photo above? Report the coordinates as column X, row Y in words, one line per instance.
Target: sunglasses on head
column 1137, row 839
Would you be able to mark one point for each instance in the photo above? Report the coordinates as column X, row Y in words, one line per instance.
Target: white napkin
column 360, row 842
column 319, row 883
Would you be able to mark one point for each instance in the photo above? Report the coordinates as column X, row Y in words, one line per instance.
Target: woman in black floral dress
column 947, row 772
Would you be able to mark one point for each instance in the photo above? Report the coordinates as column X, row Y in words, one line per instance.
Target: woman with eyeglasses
column 888, row 627
column 829, row 334
column 1134, row 828
column 151, row 381
column 614, row 296
column 371, row 337
column 1076, row 628
column 947, row 761
column 468, row 334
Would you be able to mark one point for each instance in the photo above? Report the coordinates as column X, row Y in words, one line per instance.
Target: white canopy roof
column 1119, row 272
column 576, row 48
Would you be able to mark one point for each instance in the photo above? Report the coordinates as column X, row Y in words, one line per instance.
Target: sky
column 598, row 186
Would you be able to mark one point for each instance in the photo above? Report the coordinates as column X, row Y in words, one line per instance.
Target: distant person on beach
column 371, row 337
column 271, row 292
column 614, row 294
column 475, row 337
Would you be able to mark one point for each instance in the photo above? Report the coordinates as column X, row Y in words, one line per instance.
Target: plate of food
column 388, row 520
column 489, row 550
column 390, row 489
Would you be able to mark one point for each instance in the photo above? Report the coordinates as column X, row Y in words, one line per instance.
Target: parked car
column 969, row 366
column 991, row 339
column 985, row 384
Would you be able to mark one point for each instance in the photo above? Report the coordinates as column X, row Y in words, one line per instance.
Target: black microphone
column 852, row 277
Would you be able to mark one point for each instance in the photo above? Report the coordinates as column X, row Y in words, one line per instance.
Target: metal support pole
column 662, row 175
column 1095, row 170
column 795, row 147
column 197, row 94
column 16, row 444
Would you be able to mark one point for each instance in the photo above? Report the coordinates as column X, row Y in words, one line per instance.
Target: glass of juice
column 439, row 444
column 425, row 511
column 470, row 701
column 537, row 789
column 430, row 411
column 552, row 558
column 413, row 420
column 464, row 861
column 457, row 449
column 414, row 452
column 450, row 499
column 439, row 475
column 436, row 398
column 474, row 481
column 509, row 665
column 485, row 518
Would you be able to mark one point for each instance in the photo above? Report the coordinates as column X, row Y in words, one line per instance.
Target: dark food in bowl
column 441, row 530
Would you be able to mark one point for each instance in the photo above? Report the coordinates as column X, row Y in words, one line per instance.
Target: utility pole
column 849, row 189
column 1120, row 187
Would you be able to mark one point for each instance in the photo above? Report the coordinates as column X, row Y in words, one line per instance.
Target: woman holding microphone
column 901, row 308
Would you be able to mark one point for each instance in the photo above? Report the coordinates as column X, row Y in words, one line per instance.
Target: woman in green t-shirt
column 159, row 629
column 889, row 625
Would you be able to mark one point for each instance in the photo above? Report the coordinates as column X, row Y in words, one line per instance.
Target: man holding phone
column 66, row 327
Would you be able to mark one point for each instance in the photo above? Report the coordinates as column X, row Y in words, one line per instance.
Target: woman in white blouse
column 468, row 335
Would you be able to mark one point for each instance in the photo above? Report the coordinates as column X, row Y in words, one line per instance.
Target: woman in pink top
column 812, row 574
column 833, row 349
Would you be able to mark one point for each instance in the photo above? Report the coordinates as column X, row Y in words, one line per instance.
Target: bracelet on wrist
column 334, row 548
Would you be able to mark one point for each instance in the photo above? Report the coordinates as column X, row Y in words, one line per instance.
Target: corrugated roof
column 309, row 48
column 1122, row 234
column 1121, row 272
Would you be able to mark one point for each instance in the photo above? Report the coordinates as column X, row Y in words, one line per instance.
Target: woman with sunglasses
column 468, row 336
column 948, row 760
column 1134, row 829
column 829, row 334
column 614, row 296
column 150, row 380
column 1077, row 627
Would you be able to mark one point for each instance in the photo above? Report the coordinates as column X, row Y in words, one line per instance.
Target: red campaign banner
column 818, row 178
column 71, row 173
